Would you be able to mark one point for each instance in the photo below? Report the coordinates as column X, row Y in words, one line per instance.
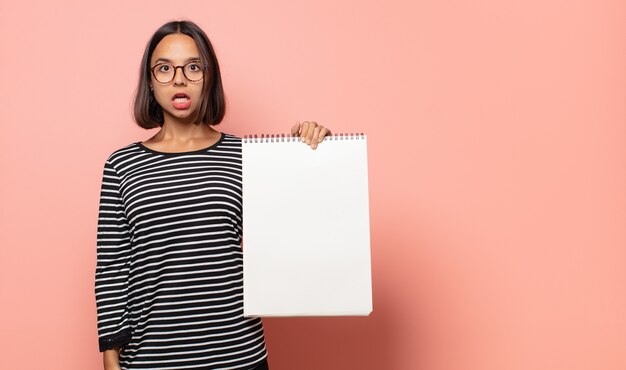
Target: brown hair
column 147, row 111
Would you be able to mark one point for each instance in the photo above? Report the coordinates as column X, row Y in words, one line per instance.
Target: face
column 177, row 50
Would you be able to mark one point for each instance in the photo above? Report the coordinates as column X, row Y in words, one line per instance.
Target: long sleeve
column 113, row 256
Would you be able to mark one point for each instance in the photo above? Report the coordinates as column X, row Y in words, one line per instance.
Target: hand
column 310, row 132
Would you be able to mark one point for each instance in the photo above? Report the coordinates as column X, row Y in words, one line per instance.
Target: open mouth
column 181, row 101
column 180, row 98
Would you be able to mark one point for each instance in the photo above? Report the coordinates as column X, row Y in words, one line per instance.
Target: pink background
column 497, row 156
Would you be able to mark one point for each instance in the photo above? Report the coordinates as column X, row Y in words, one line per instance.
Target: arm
column 111, row 359
column 111, row 275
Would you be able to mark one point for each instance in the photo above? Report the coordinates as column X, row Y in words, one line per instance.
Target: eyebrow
column 169, row 61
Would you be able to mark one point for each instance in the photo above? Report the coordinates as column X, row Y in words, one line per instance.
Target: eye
column 194, row 67
column 164, row 68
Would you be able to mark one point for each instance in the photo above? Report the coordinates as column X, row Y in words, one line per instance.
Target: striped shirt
column 169, row 271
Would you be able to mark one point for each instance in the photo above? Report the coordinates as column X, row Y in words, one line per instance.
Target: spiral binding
column 271, row 138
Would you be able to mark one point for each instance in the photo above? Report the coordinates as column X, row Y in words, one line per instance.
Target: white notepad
column 306, row 239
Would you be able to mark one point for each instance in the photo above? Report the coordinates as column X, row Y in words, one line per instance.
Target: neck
column 184, row 132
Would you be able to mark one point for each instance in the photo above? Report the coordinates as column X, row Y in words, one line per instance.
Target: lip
column 184, row 105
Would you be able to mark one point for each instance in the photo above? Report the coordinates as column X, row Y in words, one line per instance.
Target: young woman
column 169, row 271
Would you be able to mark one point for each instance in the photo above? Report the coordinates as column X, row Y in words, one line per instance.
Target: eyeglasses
column 165, row 72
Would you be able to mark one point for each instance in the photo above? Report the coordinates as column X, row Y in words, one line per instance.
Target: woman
column 168, row 279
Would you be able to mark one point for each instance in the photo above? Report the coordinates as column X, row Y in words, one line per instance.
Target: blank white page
column 306, row 240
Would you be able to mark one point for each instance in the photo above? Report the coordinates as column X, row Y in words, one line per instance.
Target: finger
column 295, row 129
column 314, row 138
column 323, row 132
column 309, row 133
column 303, row 131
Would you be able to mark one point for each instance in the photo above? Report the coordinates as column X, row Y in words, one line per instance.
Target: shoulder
column 230, row 137
column 230, row 140
column 121, row 153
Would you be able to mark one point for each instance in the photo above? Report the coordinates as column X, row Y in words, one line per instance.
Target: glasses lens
column 164, row 72
column 193, row 71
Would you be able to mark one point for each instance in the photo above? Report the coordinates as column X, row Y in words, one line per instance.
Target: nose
column 179, row 78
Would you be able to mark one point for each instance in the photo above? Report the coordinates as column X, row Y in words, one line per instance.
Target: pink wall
column 497, row 146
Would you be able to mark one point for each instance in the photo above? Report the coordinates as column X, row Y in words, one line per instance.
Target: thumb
column 295, row 129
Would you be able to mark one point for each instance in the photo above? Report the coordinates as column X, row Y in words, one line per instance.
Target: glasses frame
column 204, row 68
